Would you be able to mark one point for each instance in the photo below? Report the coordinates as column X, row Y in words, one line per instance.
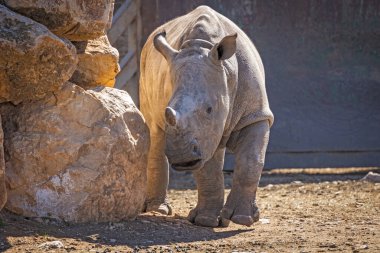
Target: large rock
column 98, row 63
column 76, row 155
column 3, row 192
column 33, row 61
column 76, row 20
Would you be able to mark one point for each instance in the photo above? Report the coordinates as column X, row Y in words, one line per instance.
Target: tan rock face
column 76, row 155
column 76, row 20
column 3, row 192
column 98, row 63
column 33, row 61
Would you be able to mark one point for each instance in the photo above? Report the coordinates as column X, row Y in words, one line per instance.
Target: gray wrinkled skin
column 202, row 90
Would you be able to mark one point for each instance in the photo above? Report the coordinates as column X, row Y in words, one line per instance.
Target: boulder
column 76, row 155
column 33, row 61
column 372, row 177
column 97, row 65
column 3, row 192
column 76, row 20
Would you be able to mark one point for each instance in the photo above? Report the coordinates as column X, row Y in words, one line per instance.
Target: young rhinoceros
column 202, row 90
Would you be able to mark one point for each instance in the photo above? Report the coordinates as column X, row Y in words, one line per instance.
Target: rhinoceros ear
column 162, row 46
column 225, row 48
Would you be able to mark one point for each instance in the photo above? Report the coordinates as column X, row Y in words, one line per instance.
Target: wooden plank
column 122, row 23
column 132, row 41
column 126, row 58
column 127, row 23
column 133, row 89
column 121, row 10
column 132, row 85
column 126, row 73
column 135, row 95
column 138, row 30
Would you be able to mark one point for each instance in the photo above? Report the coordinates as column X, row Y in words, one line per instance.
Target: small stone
column 328, row 245
column 264, row 221
column 51, row 245
column 112, row 240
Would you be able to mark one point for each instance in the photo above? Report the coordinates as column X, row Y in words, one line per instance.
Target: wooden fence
column 125, row 35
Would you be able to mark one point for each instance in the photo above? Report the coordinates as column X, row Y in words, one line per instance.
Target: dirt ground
column 301, row 211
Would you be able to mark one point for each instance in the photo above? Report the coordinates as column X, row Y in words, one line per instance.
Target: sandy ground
column 301, row 211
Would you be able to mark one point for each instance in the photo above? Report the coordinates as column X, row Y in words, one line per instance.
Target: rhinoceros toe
column 239, row 213
column 203, row 218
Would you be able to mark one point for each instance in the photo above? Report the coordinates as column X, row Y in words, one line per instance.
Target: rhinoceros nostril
column 196, row 151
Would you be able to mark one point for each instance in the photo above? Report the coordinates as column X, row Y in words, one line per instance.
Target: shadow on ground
column 146, row 230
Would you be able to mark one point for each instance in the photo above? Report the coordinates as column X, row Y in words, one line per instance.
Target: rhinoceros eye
column 209, row 109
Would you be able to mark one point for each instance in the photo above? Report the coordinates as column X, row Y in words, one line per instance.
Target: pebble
column 112, row 240
column 51, row 245
column 264, row 221
column 328, row 245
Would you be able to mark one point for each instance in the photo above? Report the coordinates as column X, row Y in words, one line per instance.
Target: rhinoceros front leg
column 249, row 151
column 157, row 174
column 210, row 184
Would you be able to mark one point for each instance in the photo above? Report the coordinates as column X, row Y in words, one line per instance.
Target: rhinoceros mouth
column 187, row 165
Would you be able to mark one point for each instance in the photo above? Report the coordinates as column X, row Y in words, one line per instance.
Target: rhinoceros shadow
column 146, row 230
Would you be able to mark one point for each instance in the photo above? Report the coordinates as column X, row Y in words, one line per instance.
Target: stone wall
column 74, row 148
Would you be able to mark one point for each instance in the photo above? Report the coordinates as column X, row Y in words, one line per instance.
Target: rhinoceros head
column 204, row 83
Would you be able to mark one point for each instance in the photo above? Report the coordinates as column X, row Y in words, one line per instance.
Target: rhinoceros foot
column 240, row 211
column 202, row 217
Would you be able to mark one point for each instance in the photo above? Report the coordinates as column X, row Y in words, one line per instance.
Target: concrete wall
column 322, row 61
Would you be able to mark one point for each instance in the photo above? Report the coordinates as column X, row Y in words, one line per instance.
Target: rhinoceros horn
column 162, row 46
column 171, row 116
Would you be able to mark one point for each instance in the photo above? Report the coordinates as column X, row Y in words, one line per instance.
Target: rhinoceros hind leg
column 250, row 150
column 210, row 183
